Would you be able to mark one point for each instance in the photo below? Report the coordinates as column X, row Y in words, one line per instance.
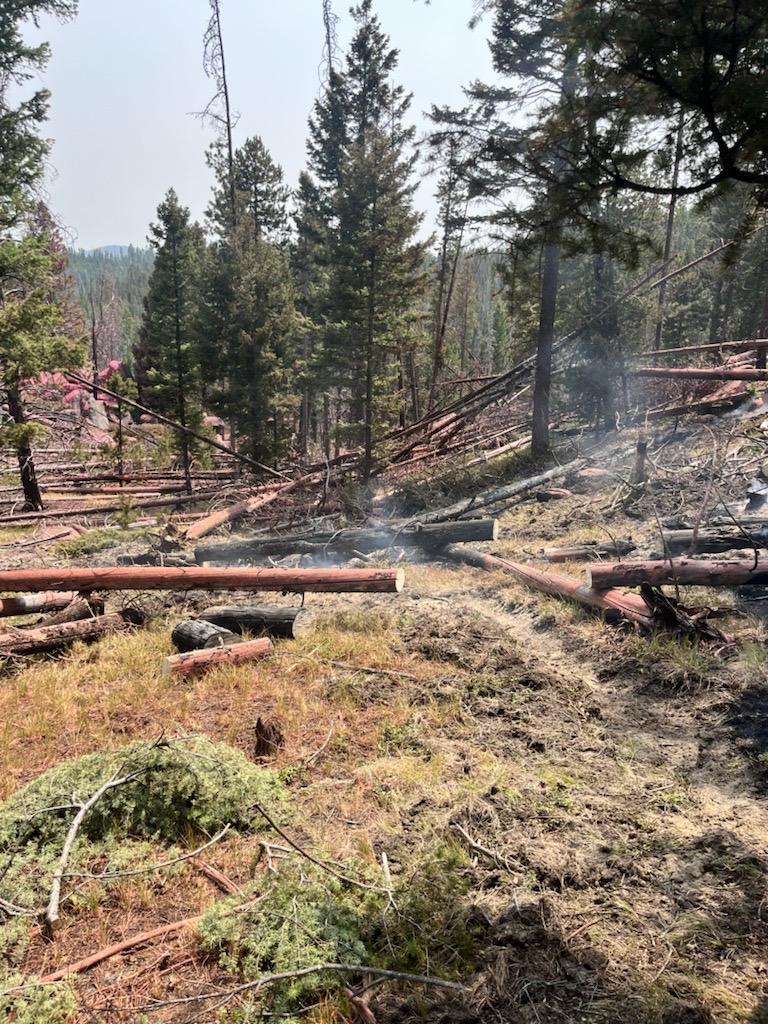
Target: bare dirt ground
column 598, row 796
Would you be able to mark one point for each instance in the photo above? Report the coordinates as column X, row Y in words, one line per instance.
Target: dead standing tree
column 219, row 107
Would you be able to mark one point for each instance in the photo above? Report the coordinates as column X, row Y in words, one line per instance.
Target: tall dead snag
column 294, row 581
column 609, row 602
column 197, row 663
column 683, row 571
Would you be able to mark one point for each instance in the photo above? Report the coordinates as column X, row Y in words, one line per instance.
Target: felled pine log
column 200, row 635
column 684, row 571
column 723, row 346
column 286, row 623
column 31, row 604
column 585, row 552
column 501, row 494
column 610, row 602
column 714, row 539
column 243, row 508
column 196, row 663
column 294, row 581
column 84, row 607
column 432, row 537
column 102, row 510
column 702, row 373
column 49, row 638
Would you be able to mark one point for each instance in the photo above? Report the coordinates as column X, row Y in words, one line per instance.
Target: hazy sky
column 126, row 74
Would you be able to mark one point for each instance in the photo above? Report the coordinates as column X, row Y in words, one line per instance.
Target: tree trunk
column 285, row 623
column 609, row 602
column 670, row 229
column 714, row 539
column 197, row 663
column 545, row 341
column 33, row 500
column 296, row 581
column 430, row 537
column 199, row 635
column 702, row 373
column 31, row 604
column 586, row 552
column 683, row 571
column 49, row 638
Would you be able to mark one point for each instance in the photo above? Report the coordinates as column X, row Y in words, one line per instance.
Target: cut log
column 588, row 551
column 200, row 635
column 502, row 494
column 30, row 605
column 79, row 609
column 50, row 638
column 197, row 663
column 610, row 602
column 293, row 581
column 553, row 494
column 711, row 404
column 684, row 571
column 715, row 539
column 432, row 537
column 230, row 515
column 286, row 623
column 701, row 373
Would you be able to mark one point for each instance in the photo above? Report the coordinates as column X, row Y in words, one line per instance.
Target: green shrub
column 49, row 1004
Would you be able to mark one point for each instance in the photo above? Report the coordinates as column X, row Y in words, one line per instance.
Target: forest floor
column 589, row 805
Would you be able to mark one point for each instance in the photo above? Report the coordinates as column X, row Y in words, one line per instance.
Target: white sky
column 126, row 74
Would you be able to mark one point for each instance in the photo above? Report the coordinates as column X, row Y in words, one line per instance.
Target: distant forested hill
column 111, row 285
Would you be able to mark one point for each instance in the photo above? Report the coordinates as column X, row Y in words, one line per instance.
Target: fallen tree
column 610, row 602
column 701, row 373
column 501, row 494
column 723, row 346
column 287, row 623
column 714, row 539
column 431, row 536
column 103, row 510
column 585, row 552
column 49, row 638
column 197, row 663
column 683, row 571
column 31, row 604
column 295, row 581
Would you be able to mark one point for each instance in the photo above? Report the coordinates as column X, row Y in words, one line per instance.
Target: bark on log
column 432, row 537
column 79, row 609
column 684, row 571
column 243, row 508
column 200, row 635
column 49, row 638
column 713, row 539
column 585, row 552
column 701, row 373
column 197, row 663
column 711, row 404
column 294, row 581
column 30, row 605
column 286, row 623
column 610, row 602
column 500, row 494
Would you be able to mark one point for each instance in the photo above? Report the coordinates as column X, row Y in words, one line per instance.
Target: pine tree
column 166, row 362
column 360, row 153
column 261, row 197
column 36, row 330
